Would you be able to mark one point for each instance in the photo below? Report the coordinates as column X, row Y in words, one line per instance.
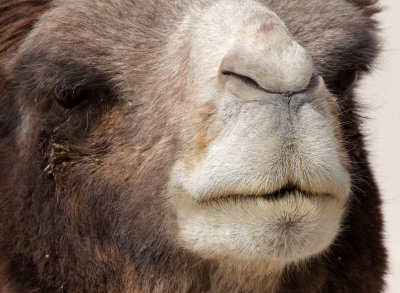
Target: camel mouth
column 290, row 189
column 288, row 224
column 278, row 194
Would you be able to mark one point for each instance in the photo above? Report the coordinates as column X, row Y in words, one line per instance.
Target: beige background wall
column 380, row 92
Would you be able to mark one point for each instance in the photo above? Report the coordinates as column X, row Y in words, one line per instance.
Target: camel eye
column 345, row 80
column 69, row 97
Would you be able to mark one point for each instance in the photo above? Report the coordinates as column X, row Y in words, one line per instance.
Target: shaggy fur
column 82, row 184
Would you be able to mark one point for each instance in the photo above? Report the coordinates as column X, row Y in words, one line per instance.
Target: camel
column 187, row 146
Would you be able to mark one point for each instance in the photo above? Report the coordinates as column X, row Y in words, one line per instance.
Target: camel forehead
column 89, row 22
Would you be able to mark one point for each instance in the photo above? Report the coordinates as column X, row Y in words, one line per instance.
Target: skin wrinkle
column 119, row 192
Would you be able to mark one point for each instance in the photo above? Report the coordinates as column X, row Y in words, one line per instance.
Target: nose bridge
column 266, row 53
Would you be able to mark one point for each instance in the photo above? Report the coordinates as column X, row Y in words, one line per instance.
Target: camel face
column 186, row 146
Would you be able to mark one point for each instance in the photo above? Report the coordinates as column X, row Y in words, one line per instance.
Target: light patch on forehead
column 267, row 27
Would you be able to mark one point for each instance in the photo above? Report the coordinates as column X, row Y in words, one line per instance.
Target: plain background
column 380, row 94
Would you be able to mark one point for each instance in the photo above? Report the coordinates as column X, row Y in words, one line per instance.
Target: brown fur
column 82, row 194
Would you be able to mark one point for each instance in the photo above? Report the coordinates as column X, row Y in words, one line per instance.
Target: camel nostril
column 345, row 80
column 314, row 82
column 245, row 79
